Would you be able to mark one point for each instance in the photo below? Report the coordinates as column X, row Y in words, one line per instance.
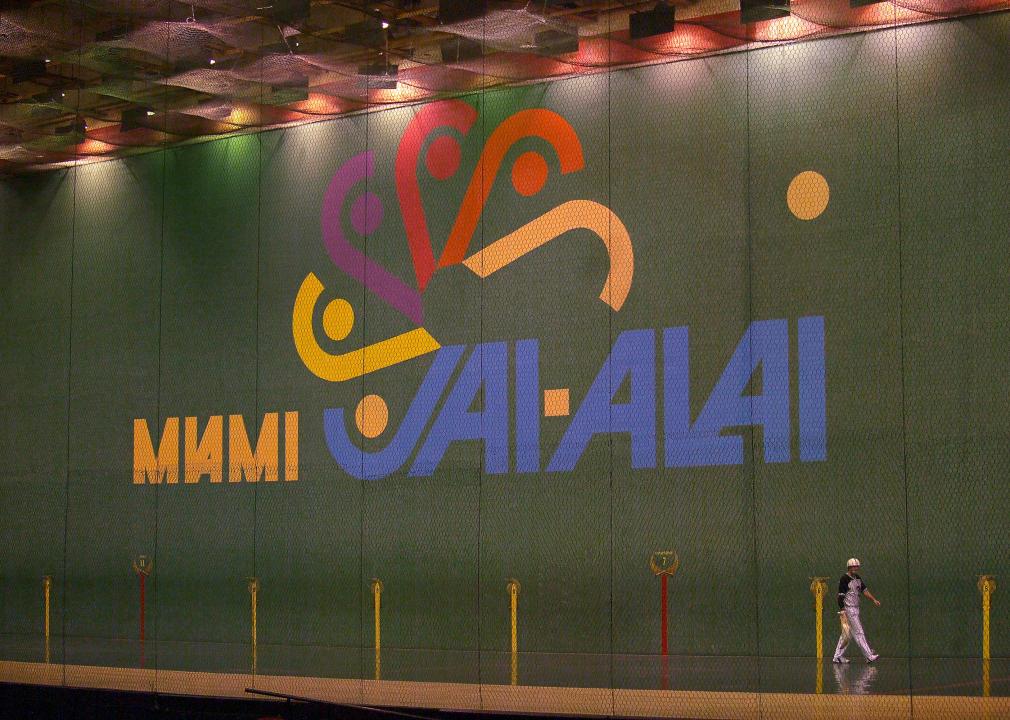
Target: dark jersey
column 849, row 590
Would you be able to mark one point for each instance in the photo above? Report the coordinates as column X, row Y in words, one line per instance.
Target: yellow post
column 377, row 601
column 254, row 588
column 513, row 588
column 819, row 587
column 986, row 586
column 47, row 583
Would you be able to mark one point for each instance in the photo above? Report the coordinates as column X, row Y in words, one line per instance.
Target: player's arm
column 867, row 593
column 843, row 587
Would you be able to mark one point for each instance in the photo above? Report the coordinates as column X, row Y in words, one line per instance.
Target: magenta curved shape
column 348, row 258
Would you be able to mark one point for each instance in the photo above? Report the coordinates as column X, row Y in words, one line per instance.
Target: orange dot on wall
column 529, row 173
column 808, row 194
column 371, row 416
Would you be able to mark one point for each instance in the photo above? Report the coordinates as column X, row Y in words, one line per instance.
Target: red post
column 664, row 563
column 662, row 613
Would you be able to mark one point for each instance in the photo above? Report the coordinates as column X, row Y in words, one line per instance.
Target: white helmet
column 853, row 562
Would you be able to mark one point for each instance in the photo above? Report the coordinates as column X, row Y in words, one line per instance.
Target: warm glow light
column 699, row 35
column 322, row 104
column 242, row 116
column 784, row 28
column 884, row 13
column 94, row 147
column 317, row 103
column 689, row 39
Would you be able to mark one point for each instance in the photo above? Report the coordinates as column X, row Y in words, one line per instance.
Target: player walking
column 850, row 587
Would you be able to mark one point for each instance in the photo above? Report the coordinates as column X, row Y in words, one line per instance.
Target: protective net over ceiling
column 90, row 78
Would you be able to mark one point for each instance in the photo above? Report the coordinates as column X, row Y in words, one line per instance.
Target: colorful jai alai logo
column 485, row 371
column 529, row 174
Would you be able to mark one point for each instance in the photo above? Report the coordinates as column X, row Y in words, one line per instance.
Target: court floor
column 621, row 685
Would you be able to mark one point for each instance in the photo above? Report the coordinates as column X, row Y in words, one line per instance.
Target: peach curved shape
column 572, row 215
column 349, row 365
column 544, row 124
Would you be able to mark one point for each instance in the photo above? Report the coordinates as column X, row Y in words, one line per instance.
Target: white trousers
column 856, row 633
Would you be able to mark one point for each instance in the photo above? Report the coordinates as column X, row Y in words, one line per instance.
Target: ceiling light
column 380, row 76
column 52, row 95
column 133, row 118
column 752, row 11
column 385, row 25
column 369, row 32
column 657, row 21
column 556, row 42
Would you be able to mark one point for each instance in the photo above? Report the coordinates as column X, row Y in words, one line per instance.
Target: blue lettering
column 528, row 406
column 486, row 369
column 374, row 466
column 813, row 403
column 633, row 356
column 764, row 345
column 761, row 357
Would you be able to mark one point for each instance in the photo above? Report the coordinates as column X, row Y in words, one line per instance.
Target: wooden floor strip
column 700, row 705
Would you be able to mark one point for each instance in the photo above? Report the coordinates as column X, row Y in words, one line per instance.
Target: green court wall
column 162, row 286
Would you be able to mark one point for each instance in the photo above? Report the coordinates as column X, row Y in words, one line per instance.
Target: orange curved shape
column 572, row 215
column 544, row 124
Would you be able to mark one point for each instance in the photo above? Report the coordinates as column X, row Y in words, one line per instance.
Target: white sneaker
column 839, row 660
column 872, row 657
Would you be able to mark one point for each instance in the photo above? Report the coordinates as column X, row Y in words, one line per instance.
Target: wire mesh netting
column 571, row 396
column 81, row 75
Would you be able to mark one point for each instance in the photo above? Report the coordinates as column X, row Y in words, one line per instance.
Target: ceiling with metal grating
column 89, row 79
